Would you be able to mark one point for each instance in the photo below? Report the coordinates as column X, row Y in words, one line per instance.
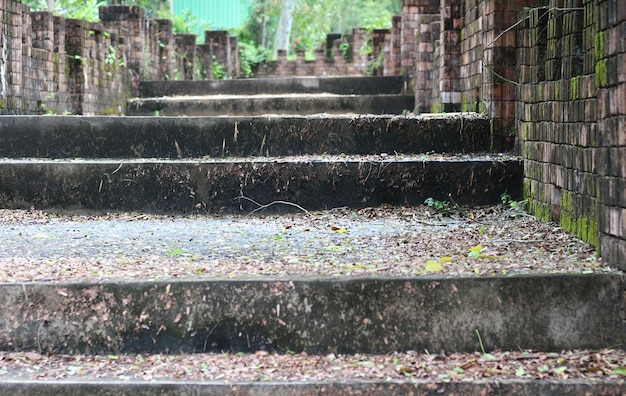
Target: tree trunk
column 283, row 31
column 50, row 5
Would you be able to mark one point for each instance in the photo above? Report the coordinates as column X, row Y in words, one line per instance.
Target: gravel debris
column 263, row 366
column 385, row 241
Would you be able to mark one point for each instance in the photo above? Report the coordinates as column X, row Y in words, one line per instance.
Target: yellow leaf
column 476, row 248
column 476, row 271
column 445, row 259
column 433, row 266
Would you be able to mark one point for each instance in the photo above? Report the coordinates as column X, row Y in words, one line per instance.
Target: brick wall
column 55, row 65
column 334, row 62
column 571, row 117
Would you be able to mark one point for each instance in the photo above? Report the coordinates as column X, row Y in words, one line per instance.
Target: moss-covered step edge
column 80, row 387
column 176, row 137
column 254, row 86
column 231, row 186
column 270, row 104
column 315, row 314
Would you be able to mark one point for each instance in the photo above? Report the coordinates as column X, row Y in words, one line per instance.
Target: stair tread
column 266, row 370
column 386, row 158
column 383, row 241
column 219, row 96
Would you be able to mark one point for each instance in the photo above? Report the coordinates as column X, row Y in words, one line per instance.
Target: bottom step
column 234, row 185
column 522, row 372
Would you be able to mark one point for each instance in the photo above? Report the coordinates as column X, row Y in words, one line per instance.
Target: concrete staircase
column 225, row 157
column 376, row 95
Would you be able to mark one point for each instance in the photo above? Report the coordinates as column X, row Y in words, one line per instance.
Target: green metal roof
column 222, row 14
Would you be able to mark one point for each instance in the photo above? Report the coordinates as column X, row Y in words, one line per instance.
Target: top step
column 256, row 86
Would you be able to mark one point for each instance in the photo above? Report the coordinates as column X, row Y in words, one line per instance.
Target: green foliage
column 250, row 55
column 441, row 207
column 346, row 50
column 375, row 65
column 78, row 9
column 519, row 206
column 219, row 72
column 187, row 23
column 313, row 19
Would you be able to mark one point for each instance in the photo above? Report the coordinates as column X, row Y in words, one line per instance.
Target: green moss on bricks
column 436, row 108
column 601, row 74
column 541, row 211
column 109, row 111
column 566, row 200
column 575, row 88
column 598, row 42
column 527, row 189
column 540, row 92
column 557, row 91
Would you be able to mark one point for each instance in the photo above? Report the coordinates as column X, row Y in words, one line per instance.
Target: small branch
column 263, row 207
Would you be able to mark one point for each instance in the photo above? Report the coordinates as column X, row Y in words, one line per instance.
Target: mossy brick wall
column 392, row 51
column 466, row 60
column 450, row 56
column 11, row 25
column 609, row 18
column 571, row 118
column 471, row 72
column 52, row 64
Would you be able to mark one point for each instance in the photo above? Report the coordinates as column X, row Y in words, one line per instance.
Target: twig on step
column 263, row 207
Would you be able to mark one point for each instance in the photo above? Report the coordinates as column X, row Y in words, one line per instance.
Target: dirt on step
column 396, row 241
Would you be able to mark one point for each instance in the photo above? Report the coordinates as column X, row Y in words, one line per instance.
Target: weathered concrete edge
column 358, row 315
column 251, row 105
column 338, row 388
column 250, row 86
column 210, row 187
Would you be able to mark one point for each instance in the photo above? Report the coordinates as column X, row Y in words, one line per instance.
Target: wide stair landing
column 326, row 286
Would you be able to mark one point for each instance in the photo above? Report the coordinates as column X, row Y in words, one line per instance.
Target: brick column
column 420, row 33
column 499, row 67
column 450, row 55
column 610, row 78
column 186, row 54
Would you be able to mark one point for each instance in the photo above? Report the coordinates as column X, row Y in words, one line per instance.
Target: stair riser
column 256, row 86
column 318, row 315
column 188, row 186
column 246, row 106
column 171, row 137
column 339, row 388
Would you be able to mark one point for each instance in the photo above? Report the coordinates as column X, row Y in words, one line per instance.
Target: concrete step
column 116, row 386
column 249, row 105
column 374, row 315
column 210, row 185
column 176, row 137
column 255, row 86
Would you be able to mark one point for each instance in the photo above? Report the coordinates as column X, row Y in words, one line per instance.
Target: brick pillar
column 450, row 55
column 186, row 51
column 426, row 76
column 499, row 67
column 392, row 59
column 11, row 27
column 165, row 38
column 412, row 11
column 77, row 47
column 131, row 24
column 610, row 79
column 59, row 77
